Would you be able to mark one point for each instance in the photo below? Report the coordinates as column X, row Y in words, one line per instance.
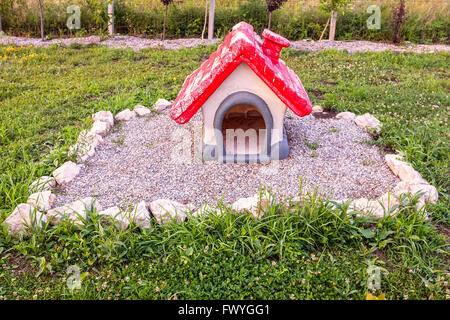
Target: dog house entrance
column 243, row 130
column 243, row 126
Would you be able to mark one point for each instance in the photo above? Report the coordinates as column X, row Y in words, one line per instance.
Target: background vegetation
column 313, row 250
column 428, row 20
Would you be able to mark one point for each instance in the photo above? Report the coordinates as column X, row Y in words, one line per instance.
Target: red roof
column 242, row 45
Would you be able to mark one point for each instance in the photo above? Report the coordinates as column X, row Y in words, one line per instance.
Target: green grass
column 310, row 251
column 47, row 99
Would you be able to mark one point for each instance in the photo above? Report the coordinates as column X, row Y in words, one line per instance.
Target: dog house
column 244, row 90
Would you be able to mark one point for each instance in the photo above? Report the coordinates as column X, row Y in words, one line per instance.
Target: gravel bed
column 135, row 164
column 138, row 43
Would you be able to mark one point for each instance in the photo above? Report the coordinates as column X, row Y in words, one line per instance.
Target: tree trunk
column 42, row 20
column 164, row 26
column 206, row 18
column 212, row 7
column 1, row 22
column 270, row 20
column 333, row 17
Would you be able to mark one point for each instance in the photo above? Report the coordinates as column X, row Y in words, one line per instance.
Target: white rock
column 165, row 210
column 404, row 170
column 85, row 147
column 41, row 200
column 430, row 194
column 125, row 115
column 191, row 207
column 394, row 161
column 74, row 211
column 401, row 188
column 141, row 110
column 140, row 215
column 376, row 209
column 346, row 116
column 43, row 183
column 111, row 212
column 119, row 216
column 24, row 216
column 104, row 116
column 340, row 202
column 246, row 204
column 88, row 137
column 359, row 204
column 203, row 211
column 368, row 207
column 385, row 205
column 66, row 173
column 81, row 151
column 162, row 104
column 255, row 205
column 368, row 121
column 407, row 173
column 317, row 109
column 101, row 128
column 389, row 200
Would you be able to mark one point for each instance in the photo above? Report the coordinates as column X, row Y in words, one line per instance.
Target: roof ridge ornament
column 273, row 44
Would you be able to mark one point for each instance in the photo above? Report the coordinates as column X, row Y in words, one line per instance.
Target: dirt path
column 137, row 44
column 363, row 46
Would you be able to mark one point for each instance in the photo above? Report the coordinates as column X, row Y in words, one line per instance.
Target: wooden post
column 42, row 20
column 111, row 18
column 324, row 29
column 206, row 17
column 212, row 5
column 332, row 25
column 163, row 36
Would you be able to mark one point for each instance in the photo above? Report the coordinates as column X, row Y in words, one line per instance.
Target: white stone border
column 164, row 210
column 411, row 180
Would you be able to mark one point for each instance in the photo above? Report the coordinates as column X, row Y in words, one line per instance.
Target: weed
column 334, row 130
column 120, row 141
column 311, row 145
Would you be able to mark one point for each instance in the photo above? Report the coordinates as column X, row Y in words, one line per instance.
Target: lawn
column 311, row 250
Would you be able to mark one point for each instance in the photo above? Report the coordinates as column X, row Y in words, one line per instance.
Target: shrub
column 21, row 17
